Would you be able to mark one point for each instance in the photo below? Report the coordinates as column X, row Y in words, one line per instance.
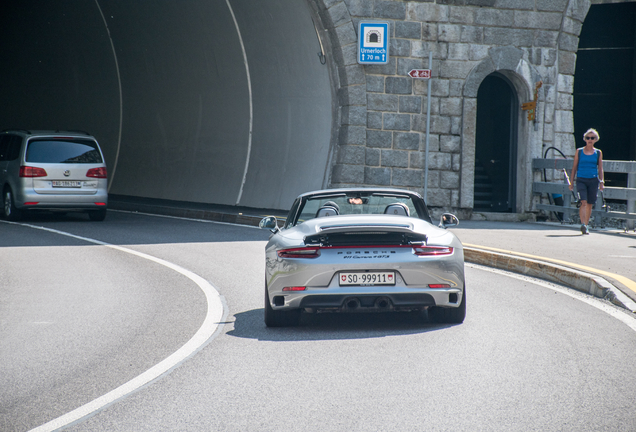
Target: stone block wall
column 382, row 111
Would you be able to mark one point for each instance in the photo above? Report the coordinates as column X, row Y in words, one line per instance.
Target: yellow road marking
column 622, row 279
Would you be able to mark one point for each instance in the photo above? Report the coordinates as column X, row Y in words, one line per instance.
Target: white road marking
column 599, row 304
column 212, row 324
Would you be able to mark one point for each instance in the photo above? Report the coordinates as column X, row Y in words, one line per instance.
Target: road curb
column 581, row 281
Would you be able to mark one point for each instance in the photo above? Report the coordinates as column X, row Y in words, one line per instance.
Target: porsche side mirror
column 269, row 223
column 448, row 220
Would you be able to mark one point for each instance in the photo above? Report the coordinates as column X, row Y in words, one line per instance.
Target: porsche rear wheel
column 449, row 315
column 274, row 318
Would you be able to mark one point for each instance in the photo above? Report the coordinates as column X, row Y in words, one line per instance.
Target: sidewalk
column 602, row 263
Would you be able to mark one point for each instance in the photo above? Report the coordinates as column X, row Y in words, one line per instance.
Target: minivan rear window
column 65, row 150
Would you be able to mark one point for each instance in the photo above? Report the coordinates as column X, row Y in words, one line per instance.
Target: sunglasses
column 590, row 138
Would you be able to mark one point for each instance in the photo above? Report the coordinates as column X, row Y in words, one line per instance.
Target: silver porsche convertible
column 362, row 250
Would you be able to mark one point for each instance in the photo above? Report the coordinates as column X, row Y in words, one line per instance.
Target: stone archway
column 496, row 145
column 509, row 62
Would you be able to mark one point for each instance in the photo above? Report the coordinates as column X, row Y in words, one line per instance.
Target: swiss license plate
column 367, row 278
column 66, row 184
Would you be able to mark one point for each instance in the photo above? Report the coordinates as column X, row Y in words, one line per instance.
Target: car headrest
column 332, row 204
column 399, row 209
column 326, row 211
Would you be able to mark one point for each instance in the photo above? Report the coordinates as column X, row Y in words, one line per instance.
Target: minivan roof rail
column 17, row 130
column 74, row 130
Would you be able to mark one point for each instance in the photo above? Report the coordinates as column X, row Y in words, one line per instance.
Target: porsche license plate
column 367, row 278
column 66, row 184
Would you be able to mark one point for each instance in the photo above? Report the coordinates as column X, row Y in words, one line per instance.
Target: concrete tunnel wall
column 164, row 88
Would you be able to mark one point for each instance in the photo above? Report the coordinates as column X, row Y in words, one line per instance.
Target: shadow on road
column 334, row 326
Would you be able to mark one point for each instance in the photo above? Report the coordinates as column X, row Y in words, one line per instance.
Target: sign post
column 426, row 74
column 373, row 42
column 428, row 122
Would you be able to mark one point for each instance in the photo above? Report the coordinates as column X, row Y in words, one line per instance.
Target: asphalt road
column 530, row 356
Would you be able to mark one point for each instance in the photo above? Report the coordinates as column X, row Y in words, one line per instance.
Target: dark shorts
column 587, row 188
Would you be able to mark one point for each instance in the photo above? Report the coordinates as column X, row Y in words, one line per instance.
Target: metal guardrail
column 627, row 194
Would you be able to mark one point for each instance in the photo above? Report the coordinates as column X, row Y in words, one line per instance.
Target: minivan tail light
column 295, row 288
column 29, row 171
column 96, row 172
column 307, row 252
column 432, row 250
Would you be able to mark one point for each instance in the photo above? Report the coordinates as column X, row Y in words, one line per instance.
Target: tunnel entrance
column 605, row 83
column 496, row 145
column 186, row 99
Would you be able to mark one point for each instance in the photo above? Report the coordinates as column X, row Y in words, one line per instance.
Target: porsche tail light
column 432, row 250
column 306, row 252
column 96, row 172
column 29, row 171
column 295, row 288
column 439, row 285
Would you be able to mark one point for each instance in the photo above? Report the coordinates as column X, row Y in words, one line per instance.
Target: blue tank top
column 588, row 164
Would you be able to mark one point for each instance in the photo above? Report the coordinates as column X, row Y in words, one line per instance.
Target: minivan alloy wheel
column 10, row 212
column 7, row 204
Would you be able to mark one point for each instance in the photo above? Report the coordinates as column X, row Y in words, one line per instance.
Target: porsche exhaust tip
column 382, row 303
column 352, row 303
column 369, row 304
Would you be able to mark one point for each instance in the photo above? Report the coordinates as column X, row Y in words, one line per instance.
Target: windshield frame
column 299, row 204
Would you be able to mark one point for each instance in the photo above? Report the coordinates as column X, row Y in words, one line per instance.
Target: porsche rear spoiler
column 366, row 235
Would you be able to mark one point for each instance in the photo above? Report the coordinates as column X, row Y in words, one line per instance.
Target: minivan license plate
column 66, row 183
column 367, row 278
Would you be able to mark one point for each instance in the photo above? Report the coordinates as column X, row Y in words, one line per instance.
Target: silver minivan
column 54, row 171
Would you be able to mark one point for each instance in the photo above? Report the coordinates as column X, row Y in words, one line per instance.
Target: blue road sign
column 373, row 42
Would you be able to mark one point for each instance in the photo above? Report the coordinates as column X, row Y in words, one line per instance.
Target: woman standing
column 588, row 171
